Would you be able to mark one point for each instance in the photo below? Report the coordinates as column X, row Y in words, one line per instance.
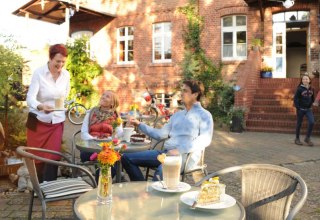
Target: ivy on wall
column 82, row 71
column 219, row 96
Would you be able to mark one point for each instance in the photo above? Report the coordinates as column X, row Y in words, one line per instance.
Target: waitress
column 45, row 124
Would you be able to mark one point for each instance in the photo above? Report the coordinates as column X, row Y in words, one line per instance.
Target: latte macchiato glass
column 171, row 171
column 59, row 102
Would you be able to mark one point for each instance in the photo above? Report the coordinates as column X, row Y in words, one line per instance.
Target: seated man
column 189, row 130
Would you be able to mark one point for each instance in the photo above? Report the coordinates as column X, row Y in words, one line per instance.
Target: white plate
column 226, row 201
column 139, row 143
column 103, row 139
column 182, row 187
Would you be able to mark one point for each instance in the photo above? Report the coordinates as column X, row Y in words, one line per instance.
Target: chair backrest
column 267, row 190
column 30, row 163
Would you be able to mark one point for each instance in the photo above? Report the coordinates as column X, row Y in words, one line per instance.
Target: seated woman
column 98, row 121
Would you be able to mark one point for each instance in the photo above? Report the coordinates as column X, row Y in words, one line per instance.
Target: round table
column 93, row 146
column 138, row 200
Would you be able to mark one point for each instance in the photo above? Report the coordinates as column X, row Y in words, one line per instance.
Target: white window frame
column 126, row 38
column 163, row 35
column 234, row 29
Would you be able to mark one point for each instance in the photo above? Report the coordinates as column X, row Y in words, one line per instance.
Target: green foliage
column 267, row 69
column 11, row 66
column 257, row 42
column 195, row 65
column 82, row 70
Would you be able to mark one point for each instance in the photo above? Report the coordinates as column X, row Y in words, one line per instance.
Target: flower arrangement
column 134, row 107
column 267, row 69
column 116, row 123
column 107, row 157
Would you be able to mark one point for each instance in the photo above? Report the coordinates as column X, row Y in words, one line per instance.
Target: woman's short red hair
column 57, row 48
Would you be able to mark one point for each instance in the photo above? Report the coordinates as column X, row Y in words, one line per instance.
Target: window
column 125, row 45
column 234, row 37
column 162, row 42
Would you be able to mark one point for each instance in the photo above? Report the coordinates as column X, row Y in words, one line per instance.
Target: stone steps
column 273, row 110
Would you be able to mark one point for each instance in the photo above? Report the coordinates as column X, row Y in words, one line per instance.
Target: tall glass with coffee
column 171, row 170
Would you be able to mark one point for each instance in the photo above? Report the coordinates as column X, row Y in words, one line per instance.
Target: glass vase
column 104, row 193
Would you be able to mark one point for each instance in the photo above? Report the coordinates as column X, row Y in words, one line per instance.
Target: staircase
column 272, row 108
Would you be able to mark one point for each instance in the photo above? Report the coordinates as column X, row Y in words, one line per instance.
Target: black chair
column 61, row 189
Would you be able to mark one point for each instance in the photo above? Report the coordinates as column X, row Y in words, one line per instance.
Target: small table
column 91, row 146
column 138, row 200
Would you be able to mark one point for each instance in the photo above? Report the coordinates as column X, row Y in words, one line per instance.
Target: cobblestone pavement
column 227, row 149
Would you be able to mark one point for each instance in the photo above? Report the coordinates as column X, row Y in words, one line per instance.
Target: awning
column 54, row 12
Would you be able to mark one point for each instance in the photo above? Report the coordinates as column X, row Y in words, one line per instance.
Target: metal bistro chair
column 200, row 167
column 60, row 189
column 267, row 190
column 76, row 160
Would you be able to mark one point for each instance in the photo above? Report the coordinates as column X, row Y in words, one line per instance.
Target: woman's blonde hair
column 115, row 99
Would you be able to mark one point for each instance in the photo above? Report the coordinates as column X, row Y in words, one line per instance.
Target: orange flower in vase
column 107, row 158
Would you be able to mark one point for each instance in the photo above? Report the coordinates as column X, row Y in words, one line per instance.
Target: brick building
column 140, row 42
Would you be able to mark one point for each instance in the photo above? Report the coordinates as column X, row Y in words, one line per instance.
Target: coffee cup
column 171, row 170
column 127, row 132
column 59, row 102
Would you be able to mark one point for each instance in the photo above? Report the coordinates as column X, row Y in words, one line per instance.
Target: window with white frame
column 161, row 42
column 234, row 37
column 125, row 45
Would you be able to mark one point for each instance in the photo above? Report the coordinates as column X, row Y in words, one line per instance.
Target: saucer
column 182, row 187
column 226, row 201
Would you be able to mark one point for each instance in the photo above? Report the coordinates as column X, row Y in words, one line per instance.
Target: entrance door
column 279, row 50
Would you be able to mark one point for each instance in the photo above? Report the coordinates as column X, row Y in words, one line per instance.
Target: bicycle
column 76, row 111
column 161, row 113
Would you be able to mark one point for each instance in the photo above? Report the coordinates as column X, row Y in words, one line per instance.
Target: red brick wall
column 164, row 77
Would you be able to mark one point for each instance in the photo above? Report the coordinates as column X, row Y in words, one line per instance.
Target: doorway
column 290, row 44
column 296, row 52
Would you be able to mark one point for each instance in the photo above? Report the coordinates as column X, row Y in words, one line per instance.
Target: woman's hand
column 46, row 108
column 133, row 121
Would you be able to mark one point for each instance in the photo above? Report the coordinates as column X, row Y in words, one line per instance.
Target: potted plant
column 256, row 43
column 266, row 72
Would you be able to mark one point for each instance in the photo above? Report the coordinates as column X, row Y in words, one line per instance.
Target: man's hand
column 173, row 152
column 315, row 104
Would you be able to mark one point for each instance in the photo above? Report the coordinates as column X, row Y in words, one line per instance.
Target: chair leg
column 44, row 209
column 183, row 176
column 147, row 173
column 30, row 205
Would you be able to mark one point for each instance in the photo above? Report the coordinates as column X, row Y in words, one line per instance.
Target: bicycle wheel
column 162, row 120
column 152, row 113
column 76, row 114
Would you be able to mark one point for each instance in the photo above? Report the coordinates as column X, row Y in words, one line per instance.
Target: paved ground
column 227, row 149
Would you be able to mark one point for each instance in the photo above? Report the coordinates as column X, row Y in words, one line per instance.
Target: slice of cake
column 138, row 138
column 210, row 192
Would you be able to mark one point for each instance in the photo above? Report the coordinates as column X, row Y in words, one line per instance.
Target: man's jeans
column 300, row 114
column 132, row 161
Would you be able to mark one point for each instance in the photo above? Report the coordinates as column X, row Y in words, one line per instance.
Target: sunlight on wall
column 208, row 2
column 101, row 48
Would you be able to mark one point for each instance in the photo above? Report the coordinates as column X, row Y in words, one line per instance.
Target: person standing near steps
column 303, row 100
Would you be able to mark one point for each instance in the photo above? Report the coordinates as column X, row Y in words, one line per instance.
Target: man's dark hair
column 195, row 86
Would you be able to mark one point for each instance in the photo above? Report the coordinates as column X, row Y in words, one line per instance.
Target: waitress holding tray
column 45, row 123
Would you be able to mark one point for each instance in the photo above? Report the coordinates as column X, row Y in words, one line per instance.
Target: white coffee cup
column 171, row 170
column 127, row 132
column 59, row 102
